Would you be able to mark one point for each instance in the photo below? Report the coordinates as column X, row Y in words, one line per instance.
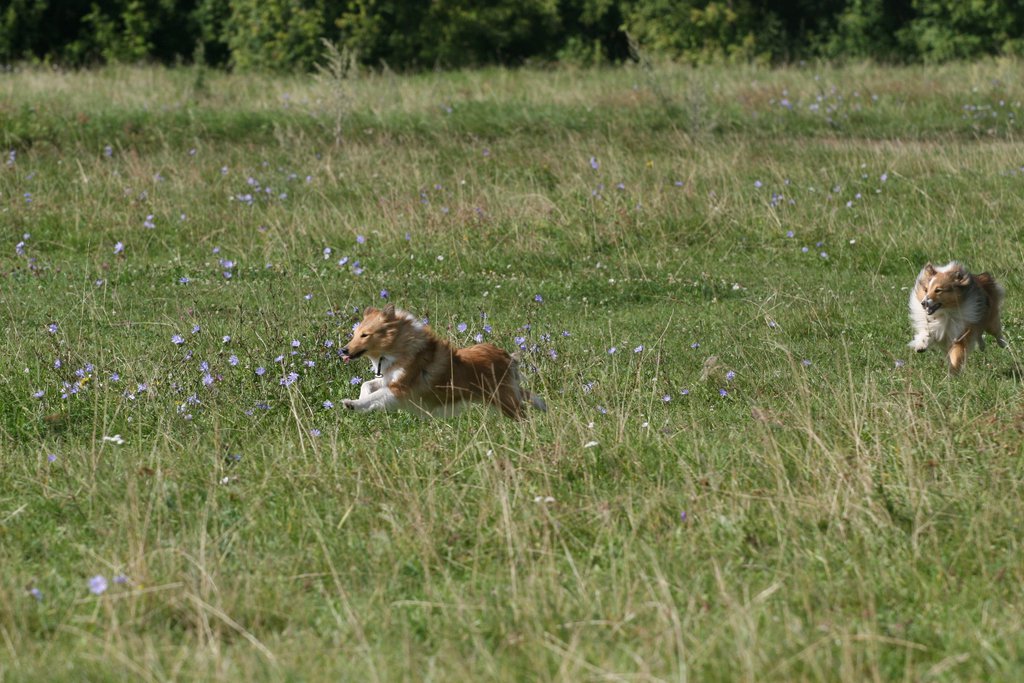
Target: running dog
column 951, row 306
column 419, row 372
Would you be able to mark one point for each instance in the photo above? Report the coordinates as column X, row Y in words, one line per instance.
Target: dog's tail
column 525, row 395
column 995, row 291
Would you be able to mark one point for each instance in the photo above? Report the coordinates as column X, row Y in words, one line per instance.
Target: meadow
column 744, row 473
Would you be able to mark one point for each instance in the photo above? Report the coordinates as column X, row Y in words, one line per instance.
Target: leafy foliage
column 285, row 35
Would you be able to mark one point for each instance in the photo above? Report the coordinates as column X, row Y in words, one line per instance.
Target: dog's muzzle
column 346, row 356
column 930, row 306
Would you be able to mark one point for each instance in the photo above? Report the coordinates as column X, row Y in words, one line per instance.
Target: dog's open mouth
column 931, row 306
column 346, row 356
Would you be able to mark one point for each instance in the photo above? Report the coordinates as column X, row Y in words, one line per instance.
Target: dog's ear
column 369, row 310
column 389, row 312
column 962, row 278
column 929, row 269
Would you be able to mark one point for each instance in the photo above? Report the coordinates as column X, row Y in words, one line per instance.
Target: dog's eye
column 938, row 290
column 364, row 335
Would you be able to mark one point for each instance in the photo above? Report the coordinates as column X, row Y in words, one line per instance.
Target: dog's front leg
column 380, row 399
column 371, row 386
column 920, row 341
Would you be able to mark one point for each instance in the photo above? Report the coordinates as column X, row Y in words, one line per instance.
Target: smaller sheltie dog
column 951, row 306
column 419, row 372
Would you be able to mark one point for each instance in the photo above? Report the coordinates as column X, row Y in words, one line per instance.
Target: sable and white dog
column 419, row 372
column 950, row 306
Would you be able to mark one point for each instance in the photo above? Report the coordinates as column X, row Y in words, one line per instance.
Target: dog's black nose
column 344, row 351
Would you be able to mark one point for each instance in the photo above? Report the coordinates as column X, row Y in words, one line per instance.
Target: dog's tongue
column 345, row 359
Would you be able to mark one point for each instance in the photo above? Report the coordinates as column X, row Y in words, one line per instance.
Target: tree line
column 287, row 35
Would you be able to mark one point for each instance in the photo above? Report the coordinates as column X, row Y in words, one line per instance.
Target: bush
column 963, row 29
column 275, row 35
column 451, row 32
column 286, row 35
column 79, row 32
column 20, row 29
column 866, row 29
column 699, row 31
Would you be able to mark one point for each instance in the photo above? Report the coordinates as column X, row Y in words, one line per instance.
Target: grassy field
column 744, row 473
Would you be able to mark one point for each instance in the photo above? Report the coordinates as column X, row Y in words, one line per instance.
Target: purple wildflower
column 98, row 584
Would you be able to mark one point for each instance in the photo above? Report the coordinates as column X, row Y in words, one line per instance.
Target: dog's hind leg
column 508, row 401
column 958, row 353
column 995, row 328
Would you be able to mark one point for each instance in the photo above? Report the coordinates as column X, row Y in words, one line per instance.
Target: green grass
column 844, row 512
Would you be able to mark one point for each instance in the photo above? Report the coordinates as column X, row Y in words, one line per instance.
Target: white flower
column 115, row 439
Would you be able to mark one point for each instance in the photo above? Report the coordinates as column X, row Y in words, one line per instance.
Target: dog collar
column 380, row 366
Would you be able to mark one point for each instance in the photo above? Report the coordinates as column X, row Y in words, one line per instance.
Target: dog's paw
column 349, row 404
column 1002, row 343
column 918, row 345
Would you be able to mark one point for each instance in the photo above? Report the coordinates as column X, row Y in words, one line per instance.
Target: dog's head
column 943, row 288
column 375, row 334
